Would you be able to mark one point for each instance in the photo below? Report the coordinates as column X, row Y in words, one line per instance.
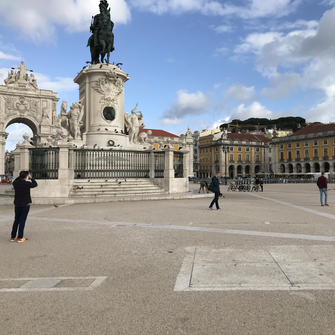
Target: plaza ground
column 264, row 264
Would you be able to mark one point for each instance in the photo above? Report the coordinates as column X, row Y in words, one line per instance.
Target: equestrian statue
column 101, row 42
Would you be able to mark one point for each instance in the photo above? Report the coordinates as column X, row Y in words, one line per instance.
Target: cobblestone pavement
column 264, row 264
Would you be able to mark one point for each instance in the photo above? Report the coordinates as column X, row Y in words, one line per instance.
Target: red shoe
column 13, row 239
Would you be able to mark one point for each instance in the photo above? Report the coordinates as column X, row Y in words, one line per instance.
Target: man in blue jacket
column 22, row 201
column 215, row 188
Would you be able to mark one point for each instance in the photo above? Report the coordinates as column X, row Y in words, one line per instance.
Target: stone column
column 3, row 136
column 331, row 170
column 190, row 149
column 17, row 170
column 24, row 155
column 168, row 170
column 186, row 159
column 151, row 165
column 64, row 171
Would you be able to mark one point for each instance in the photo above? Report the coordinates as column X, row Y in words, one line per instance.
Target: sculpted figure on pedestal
column 134, row 123
column 33, row 81
column 21, row 77
column 72, row 121
column 11, row 78
column 22, row 74
column 101, row 42
column 75, row 116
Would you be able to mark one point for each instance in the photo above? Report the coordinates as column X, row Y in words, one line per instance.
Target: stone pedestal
column 101, row 87
column 3, row 136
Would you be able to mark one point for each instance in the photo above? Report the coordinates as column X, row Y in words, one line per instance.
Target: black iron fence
column 159, row 164
column 178, row 164
column 44, row 163
column 100, row 163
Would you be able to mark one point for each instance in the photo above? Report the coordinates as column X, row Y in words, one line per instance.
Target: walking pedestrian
column 22, row 201
column 261, row 184
column 215, row 188
column 322, row 185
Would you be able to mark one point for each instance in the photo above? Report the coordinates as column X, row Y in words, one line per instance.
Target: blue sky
column 194, row 63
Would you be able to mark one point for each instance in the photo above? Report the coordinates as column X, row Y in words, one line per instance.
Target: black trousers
column 21, row 214
column 215, row 200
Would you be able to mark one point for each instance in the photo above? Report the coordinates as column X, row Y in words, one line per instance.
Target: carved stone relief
column 109, row 88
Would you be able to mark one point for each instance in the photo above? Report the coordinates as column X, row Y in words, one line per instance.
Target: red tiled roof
column 315, row 128
column 248, row 137
column 158, row 133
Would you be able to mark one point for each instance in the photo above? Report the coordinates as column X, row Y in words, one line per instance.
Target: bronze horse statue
column 104, row 37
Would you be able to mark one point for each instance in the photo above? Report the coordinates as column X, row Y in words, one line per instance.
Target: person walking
column 215, row 188
column 261, row 184
column 322, row 185
column 22, row 201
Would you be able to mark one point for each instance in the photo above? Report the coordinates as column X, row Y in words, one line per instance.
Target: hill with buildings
column 282, row 123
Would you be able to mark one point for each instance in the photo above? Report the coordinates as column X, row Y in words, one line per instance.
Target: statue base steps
column 117, row 187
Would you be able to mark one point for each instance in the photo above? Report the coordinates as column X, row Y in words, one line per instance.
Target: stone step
column 115, row 194
column 101, row 187
column 116, row 187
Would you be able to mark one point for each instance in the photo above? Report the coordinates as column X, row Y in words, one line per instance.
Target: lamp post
column 225, row 149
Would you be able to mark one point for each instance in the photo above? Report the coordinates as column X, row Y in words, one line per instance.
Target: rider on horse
column 102, row 39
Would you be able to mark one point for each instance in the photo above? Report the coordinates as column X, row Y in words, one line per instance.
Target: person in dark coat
column 322, row 185
column 261, row 184
column 215, row 188
column 22, row 201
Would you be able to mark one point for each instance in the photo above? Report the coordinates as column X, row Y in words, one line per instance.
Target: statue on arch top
column 101, row 42
column 21, row 77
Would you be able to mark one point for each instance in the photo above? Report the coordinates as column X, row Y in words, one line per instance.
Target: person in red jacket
column 322, row 185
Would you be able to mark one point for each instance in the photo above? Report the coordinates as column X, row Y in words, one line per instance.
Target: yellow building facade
column 310, row 150
column 234, row 155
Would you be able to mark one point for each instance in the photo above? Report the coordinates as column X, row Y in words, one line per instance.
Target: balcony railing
column 306, row 159
column 325, row 157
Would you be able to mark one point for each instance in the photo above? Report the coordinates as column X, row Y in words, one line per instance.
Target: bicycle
column 255, row 188
column 231, row 187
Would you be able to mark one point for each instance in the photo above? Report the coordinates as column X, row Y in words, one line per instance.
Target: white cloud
column 240, row 93
column 171, row 122
column 283, row 85
column 322, row 112
column 255, row 42
column 37, row 19
column 254, row 8
column 299, row 24
column 8, row 56
column 186, row 104
column 254, row 110
column 297, row 59
column 220, row 51
column 61, row 84
column 222, row 29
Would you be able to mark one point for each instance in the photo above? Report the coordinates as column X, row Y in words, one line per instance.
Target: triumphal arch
column 21, row 101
